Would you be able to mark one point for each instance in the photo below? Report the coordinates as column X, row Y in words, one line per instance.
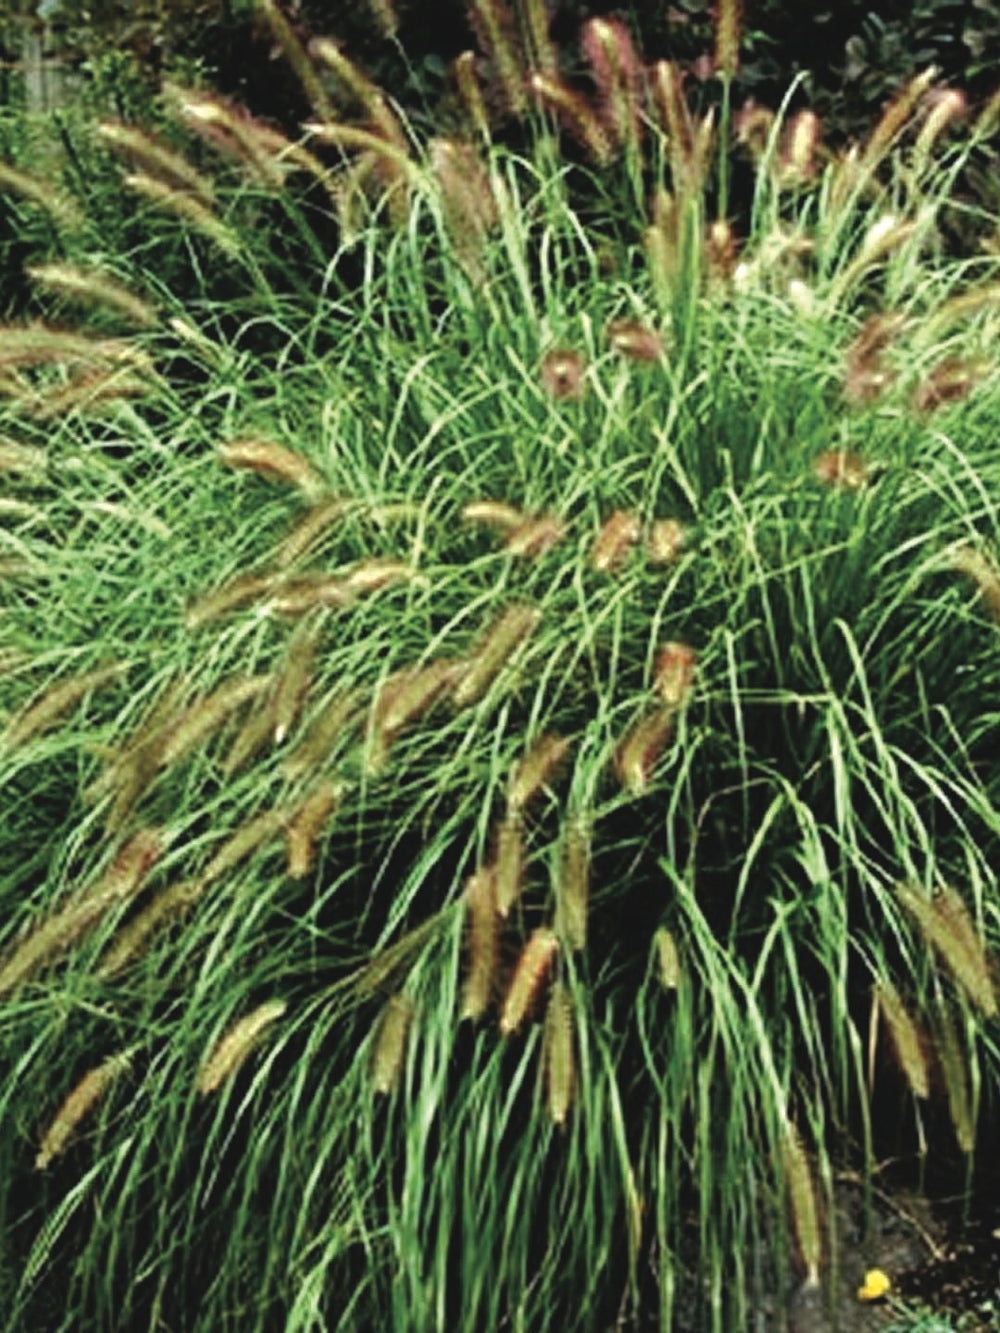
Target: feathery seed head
column 665, row 540
column 232, row 131
column 307, row 824
column 576, row 113
column 232, row 596
column 294, row 52
column 482, row 942
column 946, row 925
column 530, row 973
column 307, row 593
column 258, row 830
column 557, row 1053
column 720, row 251
column 753, row 125
column 273, row 460
column 156, row 160
column 674, row 673
column 131, row 940
column 293, row 680
column 841, row 469
column 563, row 373
column 503, row 638
column 608, row 47
column 615, row 540
column 189, row 208
column 494, row 514
column 907, row 1040
column 404, row 697
column 728, row 23
column 508, row 862
column 79, row 1103
column 62, row 209
column 468, row 204
column 572, row 886
column 42, row 713
column 798, row 164
column 535, row 770
column 337, row 720
column 982, row 570
column 668, row 959
column 377, row 573
column 639, row 751
column 537, row 534
column 954, row 1066
column 311, row 529
column 470, row 93
column 392, row 1029
column 199, row 721
column 234, row 1046
column 867, row 375
column 895, row 118
column 496, row 32
column 802, row 1197
column 92, row 287
column 635, row 341
column 949, row 381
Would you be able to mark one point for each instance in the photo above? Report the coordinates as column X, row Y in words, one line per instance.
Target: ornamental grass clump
column 532, row 634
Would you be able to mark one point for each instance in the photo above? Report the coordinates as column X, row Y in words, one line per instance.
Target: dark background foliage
column 851, row 55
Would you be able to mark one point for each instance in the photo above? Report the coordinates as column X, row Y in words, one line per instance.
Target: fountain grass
column 773, row 696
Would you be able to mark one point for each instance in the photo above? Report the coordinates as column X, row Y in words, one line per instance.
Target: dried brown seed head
column 533, row 966
column 665, row 540
column 563, row 373
column 841, row 469
column 635, row 340
column 674, row 674
column 615, row 540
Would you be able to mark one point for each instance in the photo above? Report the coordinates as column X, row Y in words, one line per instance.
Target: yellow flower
column 876, row 1285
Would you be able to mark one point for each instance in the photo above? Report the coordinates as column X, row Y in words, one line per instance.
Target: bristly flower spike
column 79, row 1103
column 558, row 1055
column 535, row 770
column 572, row 886
column 727, row 37
column 563, row 373
column 482, row 943
column 508, row 864
column 273, row 460
column 674, row 673
column 507, row 633
column 92, row 287
column 577, row 115
column 536, row 535
column 542, row 53
column 393, row 1026
column 295, row 54
column 468, row 205
column 537, row 958
column 983, row 571
column 495, row 29
column 307, row 824
column 946, row 925
column 635, row 341
column 615, row 540
column 665, row 540
column 609, row 49
column 638, row 753
column 233, row 1048
column 471, row 94
column 156, row 160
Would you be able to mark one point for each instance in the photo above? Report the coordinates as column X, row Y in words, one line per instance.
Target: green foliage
column 778, row 709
